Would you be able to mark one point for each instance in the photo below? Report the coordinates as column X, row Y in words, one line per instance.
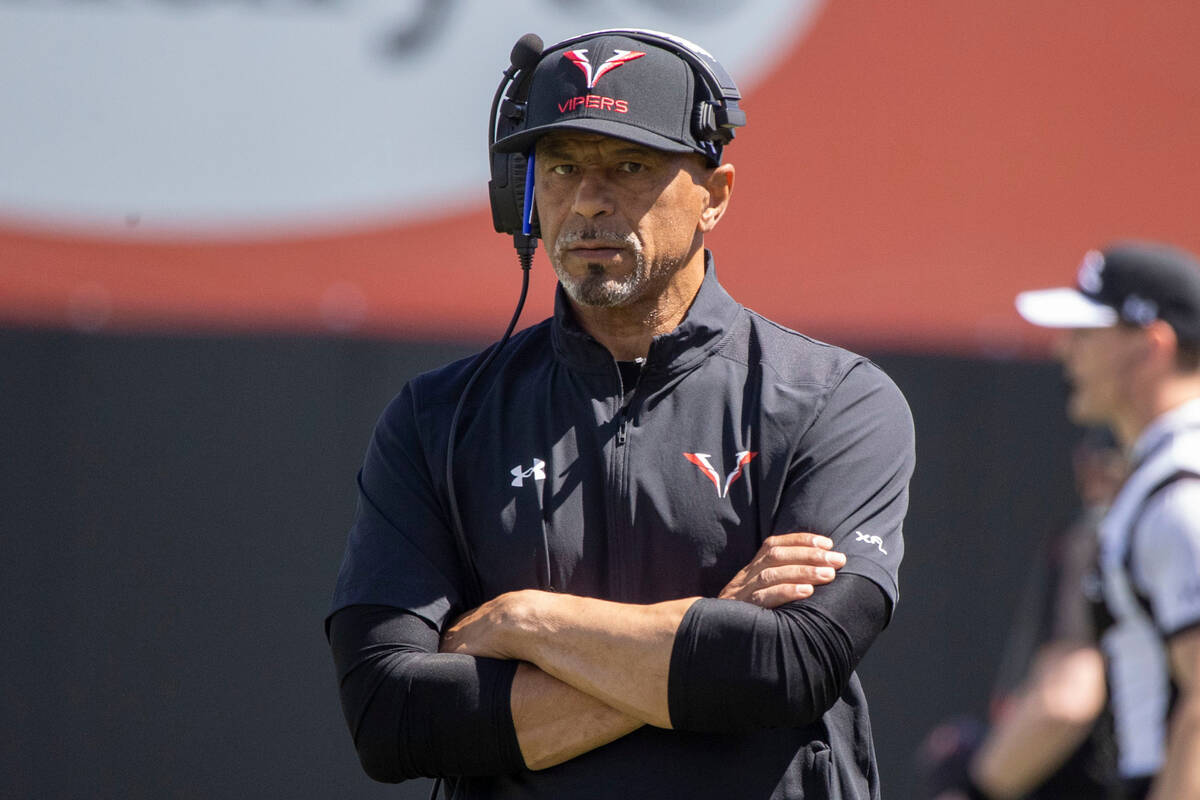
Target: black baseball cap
column 1130, row 282
column 616, row 86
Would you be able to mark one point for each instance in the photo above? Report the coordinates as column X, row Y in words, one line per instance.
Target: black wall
column 173, row 511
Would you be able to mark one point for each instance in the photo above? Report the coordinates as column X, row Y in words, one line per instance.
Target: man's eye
column 562, row 169
column 632, row 166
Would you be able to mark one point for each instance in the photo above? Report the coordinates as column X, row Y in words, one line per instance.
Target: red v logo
column 620, row 57
column 701, row 460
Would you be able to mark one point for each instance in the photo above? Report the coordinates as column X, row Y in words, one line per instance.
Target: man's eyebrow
column 634, row 151
column 551, row 148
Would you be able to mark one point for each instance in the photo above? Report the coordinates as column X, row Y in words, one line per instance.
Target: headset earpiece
column 709, row 125
column 506, row 188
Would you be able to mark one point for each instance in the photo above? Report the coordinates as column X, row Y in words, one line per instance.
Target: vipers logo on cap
column 619, row 58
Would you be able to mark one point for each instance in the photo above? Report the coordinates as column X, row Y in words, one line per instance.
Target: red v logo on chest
column 701, row 460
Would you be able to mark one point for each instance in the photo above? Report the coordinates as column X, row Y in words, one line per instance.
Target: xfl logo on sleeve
column 859, row 536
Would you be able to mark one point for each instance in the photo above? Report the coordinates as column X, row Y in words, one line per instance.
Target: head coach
column 597, row 561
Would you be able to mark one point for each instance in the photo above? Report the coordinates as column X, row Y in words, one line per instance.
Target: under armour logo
column 537, row 472
column 701, row 460
column 619, row 57
column 859, row 536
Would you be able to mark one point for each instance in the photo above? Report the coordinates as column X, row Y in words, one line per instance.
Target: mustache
column 568, row 238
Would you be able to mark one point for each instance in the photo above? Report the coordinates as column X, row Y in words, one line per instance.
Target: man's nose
column 1063, row 344
column 593, row 196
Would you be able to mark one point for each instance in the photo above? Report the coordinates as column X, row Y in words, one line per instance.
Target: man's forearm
column 1180, row 775
column 619, row 654
column 556, row 722
column 1048, row 719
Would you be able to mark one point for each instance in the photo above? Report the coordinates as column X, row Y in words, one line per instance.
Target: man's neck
column 627, row 331
column 1170, row 395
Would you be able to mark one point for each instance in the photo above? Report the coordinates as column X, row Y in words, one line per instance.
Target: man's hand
column 484, row 631
column 786, row 568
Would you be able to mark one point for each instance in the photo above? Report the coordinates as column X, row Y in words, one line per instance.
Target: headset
column 714, row 118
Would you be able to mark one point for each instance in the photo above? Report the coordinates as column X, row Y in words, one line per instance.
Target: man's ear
column 1162, row 344
column 719, row 185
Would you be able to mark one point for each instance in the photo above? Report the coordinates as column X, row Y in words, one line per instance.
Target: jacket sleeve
column 411, row 710
column 400, row 550
column 849, row 475
column 735, row 666
column 414, row 712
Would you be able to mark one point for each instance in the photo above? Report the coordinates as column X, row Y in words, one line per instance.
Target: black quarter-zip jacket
column 568, row 480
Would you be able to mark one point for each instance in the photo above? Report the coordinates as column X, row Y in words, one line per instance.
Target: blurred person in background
column 1050, row 734
column 1130, row 350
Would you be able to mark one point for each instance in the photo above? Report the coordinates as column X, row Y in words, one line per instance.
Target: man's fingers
column 784, row 554
column 449, row 642
column 778, row 595
column 799, row 539
column 786, row 568
column 795, row 573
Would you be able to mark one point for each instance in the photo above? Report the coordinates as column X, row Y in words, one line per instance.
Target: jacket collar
column 708, row 320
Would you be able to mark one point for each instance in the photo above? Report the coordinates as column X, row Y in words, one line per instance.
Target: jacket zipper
column 618, row 507
column 626, row 402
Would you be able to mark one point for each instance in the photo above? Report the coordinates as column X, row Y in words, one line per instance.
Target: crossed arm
column 589, row 671
column 577, row 653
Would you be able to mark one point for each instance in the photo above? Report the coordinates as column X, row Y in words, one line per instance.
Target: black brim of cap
column 523, row 141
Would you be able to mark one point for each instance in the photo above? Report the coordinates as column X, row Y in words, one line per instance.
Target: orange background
column 908, row 167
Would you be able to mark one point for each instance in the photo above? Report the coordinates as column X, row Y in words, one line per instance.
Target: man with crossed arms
column 652, row 628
